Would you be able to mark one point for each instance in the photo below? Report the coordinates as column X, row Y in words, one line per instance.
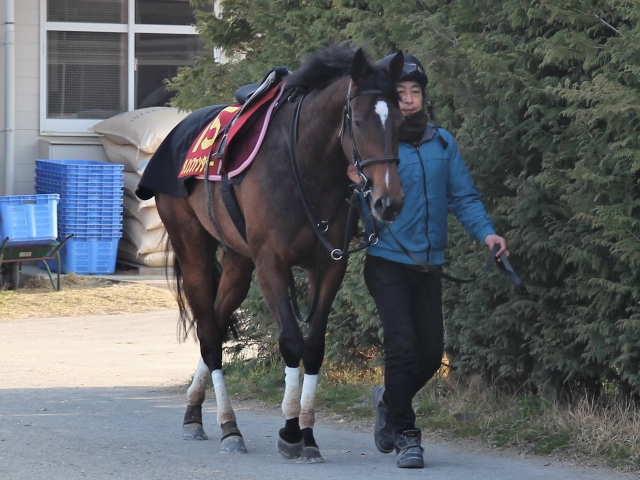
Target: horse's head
column 370, row 133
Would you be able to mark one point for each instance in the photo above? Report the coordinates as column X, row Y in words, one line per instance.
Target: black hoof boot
column 192, row 426
column 409, row 450
column 311, row 451
column 290, row 442
column 232, row 441
column 383, row 432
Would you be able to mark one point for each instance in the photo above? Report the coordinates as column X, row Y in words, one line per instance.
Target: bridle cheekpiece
column 356, row 158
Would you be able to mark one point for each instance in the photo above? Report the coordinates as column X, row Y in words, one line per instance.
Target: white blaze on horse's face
column 382, row 109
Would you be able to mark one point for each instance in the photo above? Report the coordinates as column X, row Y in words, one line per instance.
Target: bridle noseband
column 347, row 126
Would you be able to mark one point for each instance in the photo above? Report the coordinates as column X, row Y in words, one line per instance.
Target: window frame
column 79, row 127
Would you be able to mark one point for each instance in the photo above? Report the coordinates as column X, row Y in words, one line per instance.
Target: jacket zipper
column 426, row 199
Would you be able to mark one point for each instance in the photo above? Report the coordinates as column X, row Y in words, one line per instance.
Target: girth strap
column 233, row 207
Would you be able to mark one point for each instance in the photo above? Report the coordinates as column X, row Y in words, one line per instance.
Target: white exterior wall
column 3, row 11
column 27, row 94
column 28, row 142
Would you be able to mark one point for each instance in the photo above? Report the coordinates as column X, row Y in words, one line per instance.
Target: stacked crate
column 90, row 208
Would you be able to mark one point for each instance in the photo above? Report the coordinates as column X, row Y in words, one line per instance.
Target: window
column 104, row 57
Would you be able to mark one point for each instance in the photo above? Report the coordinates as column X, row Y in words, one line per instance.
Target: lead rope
column 502, row 262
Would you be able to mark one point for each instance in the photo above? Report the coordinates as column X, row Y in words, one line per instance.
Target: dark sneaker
column 382, row 433
column 409, row 450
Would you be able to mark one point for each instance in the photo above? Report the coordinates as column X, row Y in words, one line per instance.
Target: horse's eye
column 357, row 123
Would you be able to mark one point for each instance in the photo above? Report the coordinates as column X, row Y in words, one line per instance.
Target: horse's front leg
column 296, row 439
column 313, row 356
column 273, row 276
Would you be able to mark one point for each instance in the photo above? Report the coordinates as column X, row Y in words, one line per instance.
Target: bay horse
column 345, row 112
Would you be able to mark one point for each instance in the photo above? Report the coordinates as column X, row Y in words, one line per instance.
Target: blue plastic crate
column 29, row 219
column 87, row 256
column 88, row 211
column 91, row 231
column 106, row 183
column 78, row 166
column 94, row 189
column 82, row 198
column 90, row 228
column 75, row 175
column 66, row 215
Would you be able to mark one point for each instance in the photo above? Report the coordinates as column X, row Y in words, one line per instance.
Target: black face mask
column 413, row 128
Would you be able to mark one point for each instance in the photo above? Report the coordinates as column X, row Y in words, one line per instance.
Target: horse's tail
column 186, row 322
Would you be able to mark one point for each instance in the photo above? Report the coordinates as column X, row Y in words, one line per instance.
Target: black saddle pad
column 161, row 174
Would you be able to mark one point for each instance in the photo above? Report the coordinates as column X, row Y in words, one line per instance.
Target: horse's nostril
column 386, row 209
column 381, row 204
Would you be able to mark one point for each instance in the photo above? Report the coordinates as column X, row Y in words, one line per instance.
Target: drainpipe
column 9, row 98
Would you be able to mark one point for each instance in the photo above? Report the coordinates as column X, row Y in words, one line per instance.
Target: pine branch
column 607, row 23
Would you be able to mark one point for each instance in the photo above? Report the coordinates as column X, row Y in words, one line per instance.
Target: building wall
column 27, row 73
column 27, row 97
column 2, row 127
column 29, row 145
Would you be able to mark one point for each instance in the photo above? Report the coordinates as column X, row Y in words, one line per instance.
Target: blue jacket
column 434, row 179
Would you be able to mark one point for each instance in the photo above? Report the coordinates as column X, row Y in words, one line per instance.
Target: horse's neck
column 321, row 155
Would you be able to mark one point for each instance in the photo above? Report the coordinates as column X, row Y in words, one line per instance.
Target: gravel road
column 98, row 397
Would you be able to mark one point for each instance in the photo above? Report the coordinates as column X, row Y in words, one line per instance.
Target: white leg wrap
column 225, row 412
column 308, row 401
column 198, row 388
column 291, row 400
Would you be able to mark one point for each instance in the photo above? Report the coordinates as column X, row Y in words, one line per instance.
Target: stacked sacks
column 130, row 139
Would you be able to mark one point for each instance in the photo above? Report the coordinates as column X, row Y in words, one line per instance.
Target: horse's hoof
column 290, row 450
column 233, row 444
column 193, row 431
column 310, row 455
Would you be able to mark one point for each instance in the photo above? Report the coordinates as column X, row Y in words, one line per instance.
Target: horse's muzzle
column 386, row 209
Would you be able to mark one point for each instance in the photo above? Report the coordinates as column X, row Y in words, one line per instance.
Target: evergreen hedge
column 544, row 99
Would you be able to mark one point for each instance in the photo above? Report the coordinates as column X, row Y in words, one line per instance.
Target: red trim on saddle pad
column 240, row 150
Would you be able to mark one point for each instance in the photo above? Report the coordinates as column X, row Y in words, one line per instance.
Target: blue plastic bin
column 88, row 256
column 29, row 219
column 78, row 167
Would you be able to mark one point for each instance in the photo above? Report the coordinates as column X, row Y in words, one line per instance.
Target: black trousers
column 409, row 303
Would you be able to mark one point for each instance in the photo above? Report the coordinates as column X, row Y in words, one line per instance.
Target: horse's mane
column 330, row 63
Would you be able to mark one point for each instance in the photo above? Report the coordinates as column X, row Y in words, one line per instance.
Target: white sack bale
column 146, row 241
column 128, row 252
column 133, row 159
column 148, row 216
column 144, row 128
column 131, row 201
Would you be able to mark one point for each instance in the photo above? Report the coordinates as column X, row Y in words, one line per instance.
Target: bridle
column 363, row 188
column 321, row 227
column 356, row 158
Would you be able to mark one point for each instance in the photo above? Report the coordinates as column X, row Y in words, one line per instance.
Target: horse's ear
column 396, row 66
column 359, row 66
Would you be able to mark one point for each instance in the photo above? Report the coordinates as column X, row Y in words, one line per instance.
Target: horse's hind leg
column 192, row 428
column 231, row 290
column 234, row 286
column 196, row 273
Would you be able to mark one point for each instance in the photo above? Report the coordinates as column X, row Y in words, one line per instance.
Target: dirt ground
column 82, row 295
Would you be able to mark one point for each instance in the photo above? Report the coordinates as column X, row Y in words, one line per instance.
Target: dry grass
column 82, row 295
column 607, row 432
